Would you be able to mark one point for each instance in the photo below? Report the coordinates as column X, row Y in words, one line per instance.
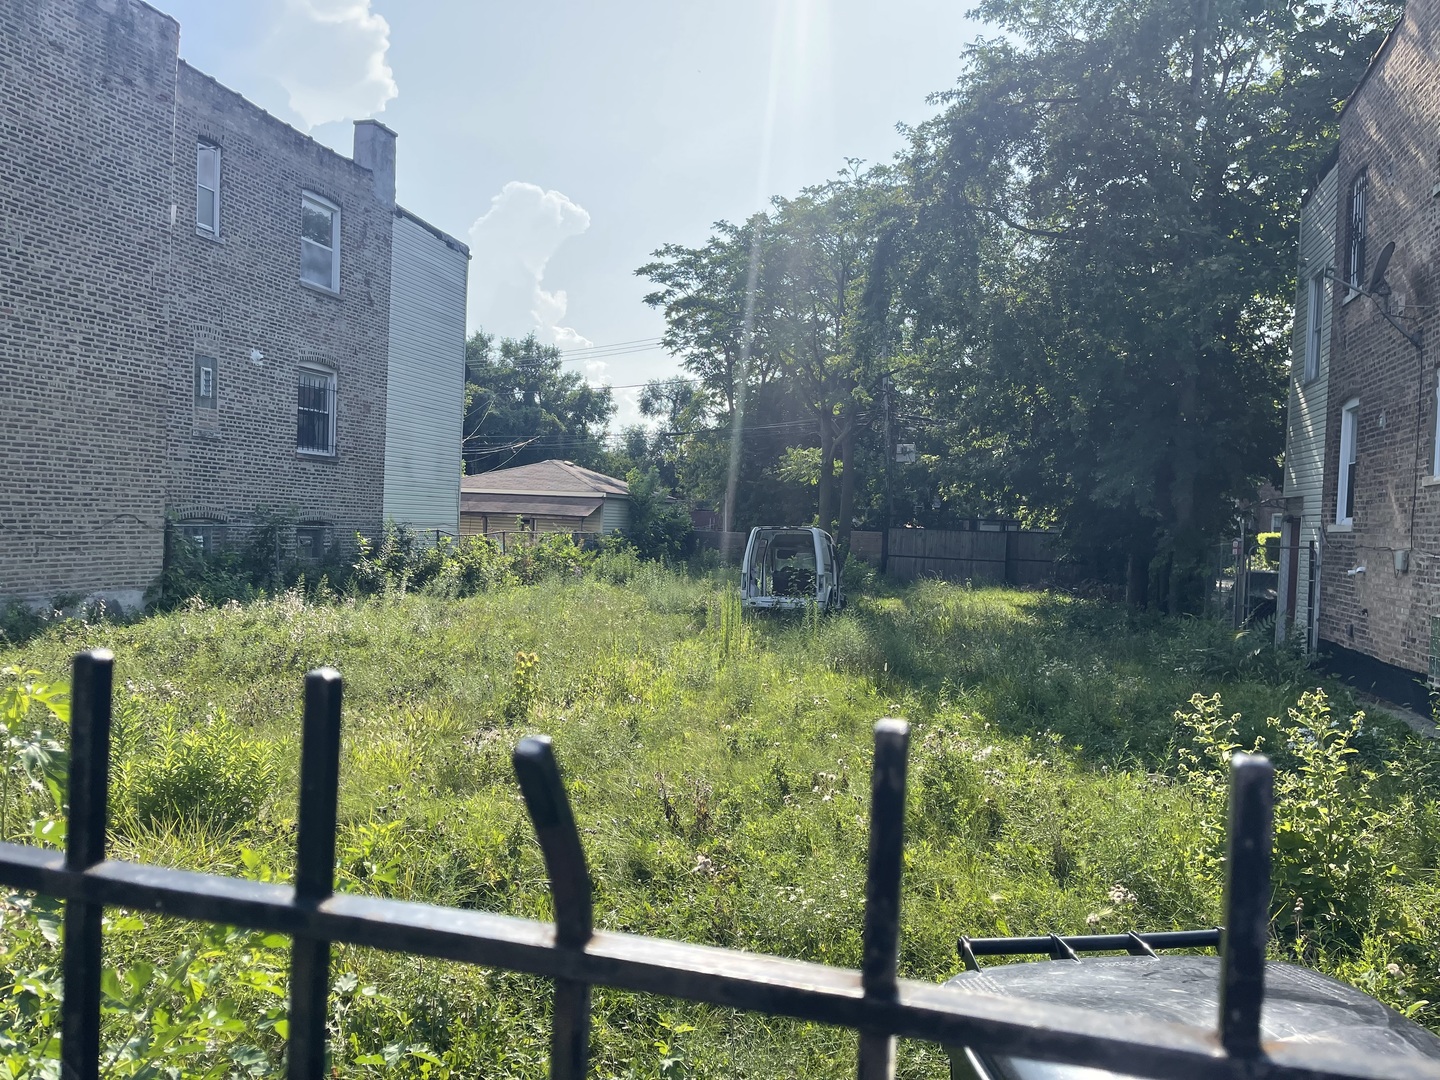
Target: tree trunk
column 826, row 508
column 847, row 489
column 1137, row 574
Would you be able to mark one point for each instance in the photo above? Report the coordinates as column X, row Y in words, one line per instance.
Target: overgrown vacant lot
column 719, row 771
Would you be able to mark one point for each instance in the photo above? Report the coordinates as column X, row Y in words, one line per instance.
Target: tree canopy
column 1075, row 283
column 522, row 407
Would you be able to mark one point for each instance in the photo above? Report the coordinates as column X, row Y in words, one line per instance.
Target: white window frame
column 1435, row 454
column 314, row 370
column 1344, row 476
column 211, row 227
column 206, row 365
column 308, row 200
column 1314, row 327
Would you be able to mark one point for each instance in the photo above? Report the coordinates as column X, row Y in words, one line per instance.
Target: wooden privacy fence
column 1015, row 556
column 871, row 1001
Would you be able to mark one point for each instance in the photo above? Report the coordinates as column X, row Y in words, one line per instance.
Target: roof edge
column 438, row 233
column 1375, row 61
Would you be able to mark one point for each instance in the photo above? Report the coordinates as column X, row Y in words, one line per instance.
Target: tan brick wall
column 1391, row 132
column 86, row 99
column 107, row 294
column 243, row 292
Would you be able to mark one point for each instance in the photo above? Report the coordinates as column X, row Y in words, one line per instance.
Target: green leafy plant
column 32, row 711
column 1335, row 833
column 213, row 773
column 524, row 686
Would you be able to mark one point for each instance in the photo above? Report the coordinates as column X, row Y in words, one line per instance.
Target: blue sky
column 566, row 141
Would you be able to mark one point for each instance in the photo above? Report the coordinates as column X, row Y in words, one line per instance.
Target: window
column 207, row 188
column 1277, row 522
column 1435, row 455
column 205, row 382
column 1345, row 494
column 205, row 537
column 320, row 242
column 1355, row 260
column 315, row 413
column 1313, row 324
column 312, row 541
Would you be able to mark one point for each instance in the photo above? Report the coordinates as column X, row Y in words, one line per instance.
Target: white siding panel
column 615, row 514
column 425, row 391
column 1305, row 423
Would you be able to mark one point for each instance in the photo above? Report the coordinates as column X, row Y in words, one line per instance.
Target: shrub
column 212, row 774
column 1335, row 834
column 660, row 528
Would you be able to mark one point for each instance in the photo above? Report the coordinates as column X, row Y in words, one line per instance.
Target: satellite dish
column 1377, row 280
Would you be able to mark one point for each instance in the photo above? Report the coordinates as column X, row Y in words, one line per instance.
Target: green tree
column 660, row 527
column 784, row 322
column 522, row 407
column 1127, row 180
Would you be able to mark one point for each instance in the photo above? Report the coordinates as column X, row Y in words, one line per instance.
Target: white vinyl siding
column 615, row 514
column 425, row 382
column 207, row 188
column 1308, row 404
column 1349, row 452
column 319, row 242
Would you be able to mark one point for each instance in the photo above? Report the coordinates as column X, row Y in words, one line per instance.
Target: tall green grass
column 719, row 768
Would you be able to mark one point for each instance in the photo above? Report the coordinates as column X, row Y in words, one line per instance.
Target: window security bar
column 315, row 413
column 871, row 1001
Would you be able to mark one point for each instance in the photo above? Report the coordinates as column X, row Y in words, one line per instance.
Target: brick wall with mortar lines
column 86, row 100
column 1391, row 133
column 243, row 292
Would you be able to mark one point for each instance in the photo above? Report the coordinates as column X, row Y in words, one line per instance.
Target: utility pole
column 885, row 384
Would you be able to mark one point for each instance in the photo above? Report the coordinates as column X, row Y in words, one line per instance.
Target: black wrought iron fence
column 871, row 1001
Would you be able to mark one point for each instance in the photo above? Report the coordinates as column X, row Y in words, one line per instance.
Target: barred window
column 315, row 412
column 1355, row 261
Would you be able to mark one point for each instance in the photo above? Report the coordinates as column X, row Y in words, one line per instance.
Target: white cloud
column 510, row 247
column 329, row 55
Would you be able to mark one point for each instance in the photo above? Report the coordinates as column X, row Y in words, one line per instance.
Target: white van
column 790, row 568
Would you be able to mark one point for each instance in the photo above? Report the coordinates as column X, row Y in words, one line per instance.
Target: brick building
column 1379, row 613
column 205, row 315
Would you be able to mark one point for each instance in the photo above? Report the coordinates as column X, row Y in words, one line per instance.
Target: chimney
column 375, row 150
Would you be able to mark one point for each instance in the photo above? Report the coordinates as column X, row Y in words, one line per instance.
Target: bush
column 1335, row 834
column 212, row 774
column 660, row 528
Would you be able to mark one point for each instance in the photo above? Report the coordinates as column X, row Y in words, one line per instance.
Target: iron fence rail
column 871, row 1001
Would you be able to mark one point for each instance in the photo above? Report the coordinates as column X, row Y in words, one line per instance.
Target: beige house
column 546, row 497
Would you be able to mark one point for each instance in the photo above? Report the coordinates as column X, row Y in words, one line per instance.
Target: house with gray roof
column 545, row 497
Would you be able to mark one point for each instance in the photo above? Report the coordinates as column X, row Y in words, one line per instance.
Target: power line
column 613, row 344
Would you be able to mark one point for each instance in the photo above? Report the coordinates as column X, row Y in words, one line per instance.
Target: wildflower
column 1119, row 894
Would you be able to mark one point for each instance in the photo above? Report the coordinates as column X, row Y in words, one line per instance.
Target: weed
column 718, row 767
